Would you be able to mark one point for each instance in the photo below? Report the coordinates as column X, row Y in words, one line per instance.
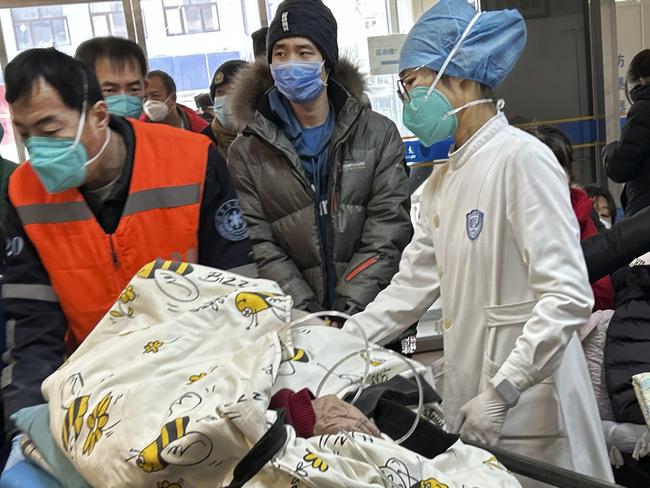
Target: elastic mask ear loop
column 327, row 77
column 101, row 149
column 499, row 104
column 453, row 51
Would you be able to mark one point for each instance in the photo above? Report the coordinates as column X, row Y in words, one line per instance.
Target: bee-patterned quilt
column 172, row 387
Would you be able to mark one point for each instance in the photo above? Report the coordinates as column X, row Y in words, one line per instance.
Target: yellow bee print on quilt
column 174, row 446
column 250, row 304
column 432, row 483
column 74, row 419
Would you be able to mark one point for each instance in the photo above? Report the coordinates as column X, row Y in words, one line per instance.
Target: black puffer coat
column 628, row 160
column 627, row 350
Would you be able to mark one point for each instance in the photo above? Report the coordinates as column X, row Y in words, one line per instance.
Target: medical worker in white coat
column 497, row 239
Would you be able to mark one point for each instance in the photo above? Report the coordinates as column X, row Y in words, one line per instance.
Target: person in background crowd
column 582, row 205
column 6, row 168
column 120, row 66
column 160, row 106
column 259, row 42
column 100, row 197
column 321, row 178
column 220, row 88
column 203, row 102
column 512, row 297
column 628, row 160
column 604, row 205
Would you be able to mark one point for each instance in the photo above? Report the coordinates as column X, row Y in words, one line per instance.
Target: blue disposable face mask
column 61, row 163
column 221, row 112
column 299, row 81
column 428, row 113
column 124, row 106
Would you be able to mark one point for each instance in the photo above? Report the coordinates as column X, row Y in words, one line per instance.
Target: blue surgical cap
column 488, row 53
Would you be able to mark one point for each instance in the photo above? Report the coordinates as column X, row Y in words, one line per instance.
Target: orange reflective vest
column 89, row 268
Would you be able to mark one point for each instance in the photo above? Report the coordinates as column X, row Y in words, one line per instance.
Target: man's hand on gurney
column 484, row 416
column 333, row 415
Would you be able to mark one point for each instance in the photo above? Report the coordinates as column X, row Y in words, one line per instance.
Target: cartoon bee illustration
column 252, row 303
column 432, row 483
column 74, row 420
column 174, row 446
column 149, row 270
column 171, row 279
column 300, row 356
column 287, row 368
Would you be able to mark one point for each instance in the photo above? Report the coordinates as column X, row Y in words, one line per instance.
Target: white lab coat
column 497, row 238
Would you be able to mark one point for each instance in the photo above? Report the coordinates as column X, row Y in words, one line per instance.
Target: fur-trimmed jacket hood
column 253, row 81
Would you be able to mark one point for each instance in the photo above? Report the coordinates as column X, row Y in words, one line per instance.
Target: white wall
column 633, row 28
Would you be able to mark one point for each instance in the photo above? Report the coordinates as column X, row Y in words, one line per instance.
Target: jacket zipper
column 333, row 203
column 116, row 263
column 363, row 266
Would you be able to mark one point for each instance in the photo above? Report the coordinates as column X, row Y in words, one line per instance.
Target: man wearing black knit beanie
column 320, row 177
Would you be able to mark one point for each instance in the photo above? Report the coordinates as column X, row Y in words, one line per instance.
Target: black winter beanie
column 310, row 19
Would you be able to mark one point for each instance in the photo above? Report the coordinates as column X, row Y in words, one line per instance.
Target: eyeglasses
column 402, row 92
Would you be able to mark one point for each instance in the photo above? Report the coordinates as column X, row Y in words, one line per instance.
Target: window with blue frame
column 190, row 17
column 40, row 27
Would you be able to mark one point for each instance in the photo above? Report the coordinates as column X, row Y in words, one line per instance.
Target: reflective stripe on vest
column 88, row 269
column 174, row 196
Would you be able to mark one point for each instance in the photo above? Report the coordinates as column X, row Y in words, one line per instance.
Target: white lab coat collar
column 480, row 138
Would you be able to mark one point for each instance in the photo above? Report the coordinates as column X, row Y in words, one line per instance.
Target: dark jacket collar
column 641, row 92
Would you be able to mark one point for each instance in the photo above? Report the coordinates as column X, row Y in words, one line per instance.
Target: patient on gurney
column 206, row 381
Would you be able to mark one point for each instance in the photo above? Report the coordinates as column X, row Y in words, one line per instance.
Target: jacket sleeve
column 35, row 326
column 611, row 249
column 409, row 295
column 386, row 230
column 538, row 198
column 272, row 261
column 624, row 159
column 223, row 236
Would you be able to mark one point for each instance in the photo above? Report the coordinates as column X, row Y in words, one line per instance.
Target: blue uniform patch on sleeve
column 230, row 222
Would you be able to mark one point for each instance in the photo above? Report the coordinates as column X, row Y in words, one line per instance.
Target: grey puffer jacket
column 368, row 194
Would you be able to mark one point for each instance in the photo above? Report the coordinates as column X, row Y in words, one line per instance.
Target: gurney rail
column 543, row 472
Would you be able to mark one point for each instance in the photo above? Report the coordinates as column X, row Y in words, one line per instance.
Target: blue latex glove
column 26, row 475
column 35, row 422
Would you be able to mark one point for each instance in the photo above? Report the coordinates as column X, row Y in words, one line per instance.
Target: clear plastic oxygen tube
column 364, row 381
column 344, row 316
column 400, row 357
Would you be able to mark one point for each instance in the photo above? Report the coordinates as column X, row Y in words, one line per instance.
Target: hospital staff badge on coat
column 474, row 224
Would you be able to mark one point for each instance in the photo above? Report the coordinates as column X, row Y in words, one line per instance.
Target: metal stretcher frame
column 543, row 472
